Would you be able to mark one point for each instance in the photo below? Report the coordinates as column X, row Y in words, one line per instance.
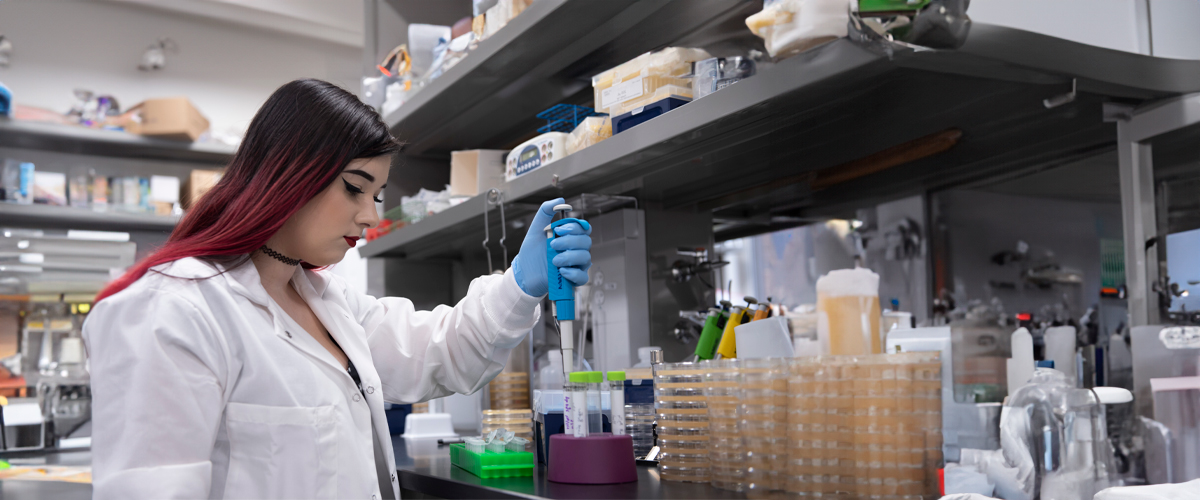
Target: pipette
column 709, row 335
column 562, row 296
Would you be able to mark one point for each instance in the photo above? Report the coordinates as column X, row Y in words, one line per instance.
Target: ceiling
column 337, row 21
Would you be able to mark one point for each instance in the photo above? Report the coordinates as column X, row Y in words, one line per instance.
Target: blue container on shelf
column 565, row 117
column 645, row 113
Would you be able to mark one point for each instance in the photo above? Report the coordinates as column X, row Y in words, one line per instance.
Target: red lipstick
column 351, row 241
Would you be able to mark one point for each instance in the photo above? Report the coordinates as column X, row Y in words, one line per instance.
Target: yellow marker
column 728, row 346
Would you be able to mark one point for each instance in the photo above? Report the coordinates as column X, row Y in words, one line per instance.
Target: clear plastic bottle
column 616, row 395
column 595, row 418
column 575, row 405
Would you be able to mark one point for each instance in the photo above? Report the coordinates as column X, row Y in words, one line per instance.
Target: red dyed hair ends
column 298, row 142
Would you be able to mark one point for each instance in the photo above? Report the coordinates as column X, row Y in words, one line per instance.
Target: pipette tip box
column 490, row 464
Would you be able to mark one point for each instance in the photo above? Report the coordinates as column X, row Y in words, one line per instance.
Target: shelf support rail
column 1136, row 128
column 495, row 197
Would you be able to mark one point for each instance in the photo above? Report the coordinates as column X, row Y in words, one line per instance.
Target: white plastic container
column 848, row 312
column 789, row 27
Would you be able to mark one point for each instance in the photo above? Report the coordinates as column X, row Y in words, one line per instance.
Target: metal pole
column 1135, row 129
column 1138, row 221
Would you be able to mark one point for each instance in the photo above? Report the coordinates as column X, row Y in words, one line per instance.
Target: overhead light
column 6, row 49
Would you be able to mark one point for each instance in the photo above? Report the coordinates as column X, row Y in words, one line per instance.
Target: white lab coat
column 205, row 388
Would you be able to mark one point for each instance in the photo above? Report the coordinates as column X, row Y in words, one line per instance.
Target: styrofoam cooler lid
column 848, row 282
column 765, row 338
column 428, row 425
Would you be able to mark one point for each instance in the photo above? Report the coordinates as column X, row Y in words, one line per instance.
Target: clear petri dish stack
column 639, row 425
column 820, row 440
column 927, row 401
column 509, row 390
column 519, row 421
column 682, row 422
column 763, row 423
column 726, row 455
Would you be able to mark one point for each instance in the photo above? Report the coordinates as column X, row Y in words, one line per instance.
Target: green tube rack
column 489, row 464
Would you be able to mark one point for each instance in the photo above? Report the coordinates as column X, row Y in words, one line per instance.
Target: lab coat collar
column 319, row 281
column 311, row 285
column 245, row 281
column 336, row 320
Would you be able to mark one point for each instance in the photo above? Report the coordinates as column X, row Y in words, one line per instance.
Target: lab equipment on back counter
column 848, row 312
column 534, row 154
column 1055, row 435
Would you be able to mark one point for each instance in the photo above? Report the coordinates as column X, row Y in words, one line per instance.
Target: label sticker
column 621, row 92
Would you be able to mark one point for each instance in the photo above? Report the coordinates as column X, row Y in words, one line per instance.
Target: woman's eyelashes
column 355, row 190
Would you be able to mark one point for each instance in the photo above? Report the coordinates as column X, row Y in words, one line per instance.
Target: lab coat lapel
column 336, row 319
column 340, row 323
column 245, row 281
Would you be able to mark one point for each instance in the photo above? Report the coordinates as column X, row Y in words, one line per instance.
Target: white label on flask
column 621, row 92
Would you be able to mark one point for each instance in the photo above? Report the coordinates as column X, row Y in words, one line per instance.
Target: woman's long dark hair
column 298, row 142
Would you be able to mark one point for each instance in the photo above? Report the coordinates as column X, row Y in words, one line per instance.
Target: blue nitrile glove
column 529, row 268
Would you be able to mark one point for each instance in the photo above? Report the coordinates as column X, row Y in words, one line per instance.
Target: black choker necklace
column 279, row 257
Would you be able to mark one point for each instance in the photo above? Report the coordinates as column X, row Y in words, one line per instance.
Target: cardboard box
column 170, row 118
column 476, row 171
column 198, row 183
column 50, row 188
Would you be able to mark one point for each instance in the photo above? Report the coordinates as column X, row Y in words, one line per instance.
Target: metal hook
column 503, row 229
column 486, row 236
column 494, row 197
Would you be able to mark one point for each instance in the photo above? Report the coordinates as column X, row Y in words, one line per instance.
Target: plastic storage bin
column 648, row 78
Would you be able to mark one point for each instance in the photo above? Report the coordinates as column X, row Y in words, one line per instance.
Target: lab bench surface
column 430, row 474
column 31, row 490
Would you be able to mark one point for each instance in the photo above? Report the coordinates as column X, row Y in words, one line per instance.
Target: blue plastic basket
column 565, row 117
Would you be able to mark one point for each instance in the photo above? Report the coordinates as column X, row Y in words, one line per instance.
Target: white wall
column 1163, row 28
column 226, row 69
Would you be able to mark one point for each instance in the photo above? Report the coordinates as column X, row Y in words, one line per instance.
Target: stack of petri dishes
column 726, row 454
column 763, row 424
column 509, row 390
column 682, row 422
column 639, row 421
column 820, row 437
column 520, row 422
column 927, row 387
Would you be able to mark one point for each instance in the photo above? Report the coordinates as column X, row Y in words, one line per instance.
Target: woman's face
column 331, row 223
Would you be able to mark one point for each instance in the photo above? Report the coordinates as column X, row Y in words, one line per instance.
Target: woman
column 229, row 365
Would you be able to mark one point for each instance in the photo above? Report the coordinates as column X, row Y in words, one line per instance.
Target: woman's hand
column 573, row 244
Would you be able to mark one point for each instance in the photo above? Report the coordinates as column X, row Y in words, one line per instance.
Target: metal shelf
column 111, row 143
column 543, row 57
column 835, row 128
column 50, row 216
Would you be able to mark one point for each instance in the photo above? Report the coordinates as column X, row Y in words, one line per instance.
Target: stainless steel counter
column 428, row 472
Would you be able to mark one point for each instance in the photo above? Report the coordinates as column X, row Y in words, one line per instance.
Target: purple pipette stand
column 597, row 459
